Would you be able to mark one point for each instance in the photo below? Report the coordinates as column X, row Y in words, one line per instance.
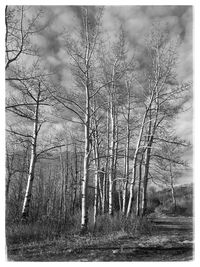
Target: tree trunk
column 95, row 198
column 101, row 189
column 75, row 181
column 137, row 149
column 19, row 195
column 151, row 132
column 97, row 169
column 126, row 172
column 145, row 182
column 124, row 190
column 62, row 185
column 66, row 183
column 9, row 166
column 107, row 170
column 112, row 152
column 116, row 145
column 172, row 186
column 104, row 191
column 139, row 187
column 8, row 185
column 27, row 199
column 127, row 148
column 119, row 199
column 135, row 165
column 84, row 208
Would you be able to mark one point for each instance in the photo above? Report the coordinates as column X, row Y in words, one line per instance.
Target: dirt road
column 172, row 240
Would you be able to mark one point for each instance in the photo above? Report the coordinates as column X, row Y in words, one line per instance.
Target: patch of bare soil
column 172, row 240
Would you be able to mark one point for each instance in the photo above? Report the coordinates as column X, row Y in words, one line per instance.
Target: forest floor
column 171, row 240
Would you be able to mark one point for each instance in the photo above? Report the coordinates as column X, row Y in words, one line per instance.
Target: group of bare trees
column 123, row 108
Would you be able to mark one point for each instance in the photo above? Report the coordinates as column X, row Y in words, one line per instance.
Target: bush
column 184, row 209
column 45, row 228
column 184, row 200
column 24, row 233
column 119, row 222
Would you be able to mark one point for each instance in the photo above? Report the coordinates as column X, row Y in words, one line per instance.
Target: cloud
column 136, row 21
column 184, row 125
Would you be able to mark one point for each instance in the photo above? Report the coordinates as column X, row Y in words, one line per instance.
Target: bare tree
column 163, row 97
column 83, row 66
column 27, row 103
column 21, row 24
column 168, row 161
column 115, row 65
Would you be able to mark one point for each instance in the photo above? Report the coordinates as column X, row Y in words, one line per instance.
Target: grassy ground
column 168, row 239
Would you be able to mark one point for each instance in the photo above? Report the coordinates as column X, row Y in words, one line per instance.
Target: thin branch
column 69, row 108
column 72, row 101
column 20, row 134
column 48, row 149
column 171, row 160
column 171, row 142
column 100, row 89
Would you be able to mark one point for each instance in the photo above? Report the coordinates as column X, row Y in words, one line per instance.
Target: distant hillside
column 181, row 191
column 184, row 200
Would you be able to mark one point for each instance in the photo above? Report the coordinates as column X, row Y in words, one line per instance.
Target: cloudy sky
column 136, row 21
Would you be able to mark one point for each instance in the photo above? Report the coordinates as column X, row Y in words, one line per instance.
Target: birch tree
column 129, row 82
column 163, row 98
column 169, row 96
column 115, row 64
column 168, row 162
column 82, row 59
column 28, row 102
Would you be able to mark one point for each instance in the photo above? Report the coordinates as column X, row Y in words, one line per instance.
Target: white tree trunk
column 172, row 186
column 112, row 152
column 95, row 197
column 135, row 165
column 107, row 168
column 139, row 188
column 27, row 199
column 84, row 207
column 126, row 172
column 151, row 133
column 127, row 148
column 97, row 172
column 124, row 192
column 136, row 152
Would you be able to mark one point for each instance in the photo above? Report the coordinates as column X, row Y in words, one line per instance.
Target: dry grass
column 19, row 233
column 169, row 244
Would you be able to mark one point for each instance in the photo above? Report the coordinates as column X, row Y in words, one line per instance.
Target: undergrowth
column 48, row 229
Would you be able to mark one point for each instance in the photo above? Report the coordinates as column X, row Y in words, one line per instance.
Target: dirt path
column 171, row 241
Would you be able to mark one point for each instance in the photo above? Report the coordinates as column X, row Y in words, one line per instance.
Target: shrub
column 44, row 228
column 119, row 222
column 184, row 209
column 184, row 201
column 50, row 228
